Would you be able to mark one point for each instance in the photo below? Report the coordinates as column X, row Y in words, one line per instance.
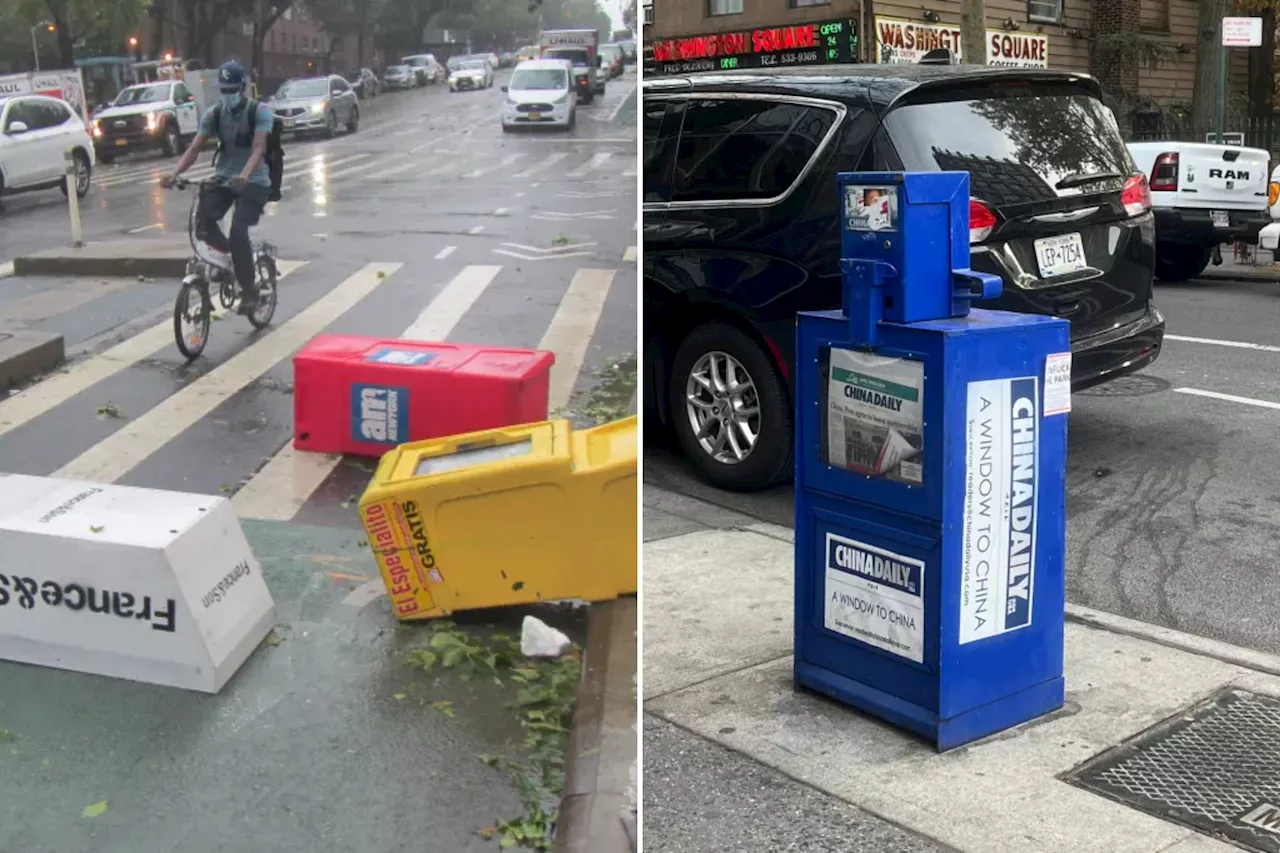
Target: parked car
column 149, row 117
column 472, row 74
column 317, row 104
column 1269, row 236
column 365, row 83
column 399, row 77
column 1204, row 195
column 506, row 59
column 35, row 133
column 612, row 56
column 425, row 68
column 742, row 228
column 541, row 92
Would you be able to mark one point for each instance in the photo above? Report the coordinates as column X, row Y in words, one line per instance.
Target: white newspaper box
column 142, row 584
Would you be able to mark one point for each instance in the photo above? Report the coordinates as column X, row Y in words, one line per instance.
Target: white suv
column 35, row 132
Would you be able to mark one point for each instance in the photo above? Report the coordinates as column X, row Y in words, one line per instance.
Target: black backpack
column 275, row 147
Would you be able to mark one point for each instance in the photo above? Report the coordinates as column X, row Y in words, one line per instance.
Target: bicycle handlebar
column 184, row 183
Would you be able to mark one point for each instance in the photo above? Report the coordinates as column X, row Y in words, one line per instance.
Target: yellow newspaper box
column 539, row 512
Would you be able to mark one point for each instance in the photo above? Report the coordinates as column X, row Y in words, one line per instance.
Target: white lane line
column 475, row 229
column 445, row 252
column 1229, row 398
column 286, row 483
column 351, row 170
column 1221, row 343
column 630, row 173
column 153, row 226
column 6, row 269
column 571, row 330
column 502, row 211
column 386, row 173
column 618, row 108
column 597, row 160
column 493, row 167
column 118, row 454
column 544, row 164
column 56, row 389
column 629, row 256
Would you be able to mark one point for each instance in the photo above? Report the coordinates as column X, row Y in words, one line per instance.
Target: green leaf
column 444, row 706
column 452, row 657
column 97, row 529
column 491, row 760
column 94, row 810
column 397, row 696
column 7, row 736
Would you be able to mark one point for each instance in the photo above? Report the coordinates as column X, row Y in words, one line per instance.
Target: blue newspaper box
column 930, row 477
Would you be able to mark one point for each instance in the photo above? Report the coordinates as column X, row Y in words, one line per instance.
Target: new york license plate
column 122, row 142
column 535, row 116
column 1060, row 255
column 1221, row 219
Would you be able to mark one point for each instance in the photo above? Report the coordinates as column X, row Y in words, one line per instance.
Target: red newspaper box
column 364, row 396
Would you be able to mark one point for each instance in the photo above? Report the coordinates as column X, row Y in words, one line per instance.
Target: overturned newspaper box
column 141, row 584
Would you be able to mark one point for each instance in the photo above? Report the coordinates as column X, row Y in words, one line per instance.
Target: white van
column 541, row 92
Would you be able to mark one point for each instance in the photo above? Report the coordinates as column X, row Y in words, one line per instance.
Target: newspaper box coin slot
column 930, row 489
column 141, row 584
column 364, row 396
column 517, row 515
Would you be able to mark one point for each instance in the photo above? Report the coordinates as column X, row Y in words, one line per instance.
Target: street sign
column 1241, row 32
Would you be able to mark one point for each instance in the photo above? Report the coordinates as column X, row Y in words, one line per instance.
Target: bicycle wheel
column 266, row 271
column 191, row 318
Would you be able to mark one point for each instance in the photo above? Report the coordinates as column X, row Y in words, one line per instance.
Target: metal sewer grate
column 1215, row 768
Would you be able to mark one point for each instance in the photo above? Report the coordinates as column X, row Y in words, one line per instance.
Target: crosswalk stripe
column 117, row 455
column 597, row 160
column 629, row 256
column 395, row 170
column 571, row 330
column 544, row 164
column 351, row 170
column 287, row 481
column 54, row 390
column 501, row 164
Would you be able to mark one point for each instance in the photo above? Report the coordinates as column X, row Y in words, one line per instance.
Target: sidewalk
column 1232, row 271
column 717, row 654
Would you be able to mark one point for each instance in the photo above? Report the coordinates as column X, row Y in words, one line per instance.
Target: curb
column 153, row 259
column 602, row 741
column 1216, row 275
column 26, row 354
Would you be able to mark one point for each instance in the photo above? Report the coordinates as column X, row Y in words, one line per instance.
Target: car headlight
column 318, row 107
column 153, row 121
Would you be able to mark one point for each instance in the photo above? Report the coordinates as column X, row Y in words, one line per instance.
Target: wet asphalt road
column 429, row 216
column 1173, row 498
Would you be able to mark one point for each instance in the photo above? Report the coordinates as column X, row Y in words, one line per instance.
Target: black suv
column 742, row 228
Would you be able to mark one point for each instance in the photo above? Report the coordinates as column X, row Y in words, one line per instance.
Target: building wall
column 1168, row 22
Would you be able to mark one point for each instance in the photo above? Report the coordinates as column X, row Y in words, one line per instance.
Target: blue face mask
column 231, row 100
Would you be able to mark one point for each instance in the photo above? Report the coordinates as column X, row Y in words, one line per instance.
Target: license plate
column 535, row 116
column 1221, row 219
column 1060, row 255
column 120, row 143
column 289, row 122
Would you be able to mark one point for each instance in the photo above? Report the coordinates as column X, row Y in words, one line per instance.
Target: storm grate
column 1215, row 768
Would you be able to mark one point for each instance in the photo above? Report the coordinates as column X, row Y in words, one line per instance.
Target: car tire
column 1181, row 261
column 331, row 125
column 768, row 462
column 171, row 143
column 83, row 174
column 354, row 124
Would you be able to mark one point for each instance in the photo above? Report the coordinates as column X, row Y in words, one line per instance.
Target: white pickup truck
column 1203, row 195
column 1269, row 236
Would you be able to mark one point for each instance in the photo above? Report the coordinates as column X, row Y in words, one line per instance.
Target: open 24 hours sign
column 902, row 42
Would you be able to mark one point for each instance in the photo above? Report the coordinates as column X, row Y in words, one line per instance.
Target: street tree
column 1204, row 94
column 86, row 26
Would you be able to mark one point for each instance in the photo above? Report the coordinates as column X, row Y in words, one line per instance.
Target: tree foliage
column 81, row 28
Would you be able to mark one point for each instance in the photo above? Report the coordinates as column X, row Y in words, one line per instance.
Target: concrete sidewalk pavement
column 717, row 656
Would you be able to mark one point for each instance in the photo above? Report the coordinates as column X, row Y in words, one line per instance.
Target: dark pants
column 249, row 203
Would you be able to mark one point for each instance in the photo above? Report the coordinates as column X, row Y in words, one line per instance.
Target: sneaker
column 222, row 260
column 248, row 307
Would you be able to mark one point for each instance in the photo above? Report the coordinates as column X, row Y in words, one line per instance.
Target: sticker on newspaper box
column 998, row 545
column 875, row 415
column 870, row 208
column 874, row 596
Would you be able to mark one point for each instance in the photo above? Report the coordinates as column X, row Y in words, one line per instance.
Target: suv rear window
column 1015, row 147
column 740, row 148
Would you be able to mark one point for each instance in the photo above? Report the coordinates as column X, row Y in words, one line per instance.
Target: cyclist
column 244, row 181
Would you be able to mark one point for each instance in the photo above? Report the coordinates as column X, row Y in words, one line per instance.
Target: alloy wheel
column 723, row 407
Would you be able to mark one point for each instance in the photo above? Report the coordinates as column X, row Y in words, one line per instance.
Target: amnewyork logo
column 1264, row 816
column 379, row 414
column 1022, row 502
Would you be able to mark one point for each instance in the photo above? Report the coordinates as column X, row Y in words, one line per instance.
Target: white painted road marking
column 54, row 390
column 571, row 330
column 475, row 229
column 6, row 269
column 629, row 256
column 542, row 165
column 287, row 481
column 1229, row 398
column 151, row 227
column 597, row 160
column 622, row 103
column 445, row 252
column 118, row 454
column 492, row 167
column 1221, row 343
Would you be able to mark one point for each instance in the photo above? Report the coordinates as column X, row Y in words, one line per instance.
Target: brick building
column 1079, row 35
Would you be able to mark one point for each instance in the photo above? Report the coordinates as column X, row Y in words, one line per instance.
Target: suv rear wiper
column 1081, row 178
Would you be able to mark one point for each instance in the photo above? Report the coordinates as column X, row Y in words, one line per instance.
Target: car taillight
column 1273, row 194
column 982, row 221
column 1136, row 196
column 1164, row 177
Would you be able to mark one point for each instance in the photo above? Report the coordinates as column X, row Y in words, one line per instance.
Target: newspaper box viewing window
column 468, row 457
column 874, row 422
column 871, row 208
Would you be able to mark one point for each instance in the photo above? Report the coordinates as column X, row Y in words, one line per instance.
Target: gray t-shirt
column 232, row 125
